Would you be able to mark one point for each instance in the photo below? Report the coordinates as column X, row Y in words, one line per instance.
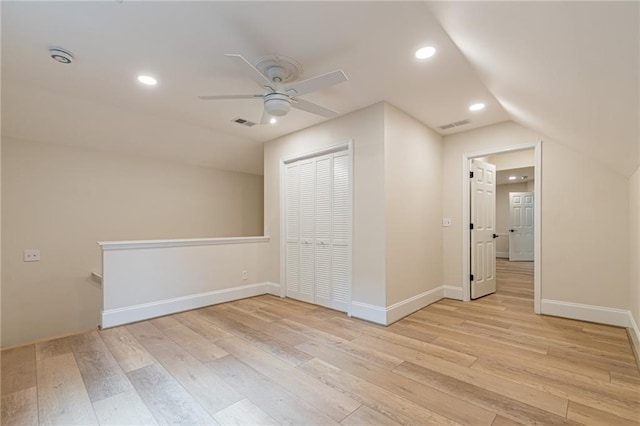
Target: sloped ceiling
column 566, row 70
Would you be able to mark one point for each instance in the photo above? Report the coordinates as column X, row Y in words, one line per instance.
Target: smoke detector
column 61, row 55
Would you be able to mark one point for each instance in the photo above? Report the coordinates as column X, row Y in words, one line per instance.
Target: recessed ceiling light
column 476, row 107
column 273, row 120
column 425, row 52
column 512, row 178
column 148, row 80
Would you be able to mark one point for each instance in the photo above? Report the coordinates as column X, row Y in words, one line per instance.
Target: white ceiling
column 523, row 174
column 531, row 63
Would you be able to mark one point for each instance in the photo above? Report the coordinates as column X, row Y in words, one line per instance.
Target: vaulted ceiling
column 567, row 70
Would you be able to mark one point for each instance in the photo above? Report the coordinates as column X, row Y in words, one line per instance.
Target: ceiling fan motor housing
column 277, row 104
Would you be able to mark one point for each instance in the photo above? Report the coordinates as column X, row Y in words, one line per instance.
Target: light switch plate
column 446, row 221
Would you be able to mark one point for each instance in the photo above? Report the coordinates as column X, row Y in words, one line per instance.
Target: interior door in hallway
column 521, row 211
column 482, row 228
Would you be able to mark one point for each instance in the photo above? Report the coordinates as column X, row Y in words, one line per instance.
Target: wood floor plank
column 365, row 416
column 18, row 369
column 166, row 399
column 201, row 324
column 209, row 390
column 100, row 372
column 127, row 351
column 593, row 417
column 125, row 408
column 20, row 408
column 418, row 393
column 243, row 412
column 62, row 397
column 458, row 371
column 202, row 349
column 53, row 347
column 326, row 399
column 482, row 397
column 386, row 403
column 268, row 395
column 262, row 340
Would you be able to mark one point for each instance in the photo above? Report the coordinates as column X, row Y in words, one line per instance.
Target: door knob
column 495, row 235
column 512, row 230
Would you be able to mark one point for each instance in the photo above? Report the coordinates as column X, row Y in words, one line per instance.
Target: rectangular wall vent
column 244, row 122
column 455, row 124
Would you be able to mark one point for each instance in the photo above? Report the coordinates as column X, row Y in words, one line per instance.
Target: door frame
column 466, row 218
column 343, row 146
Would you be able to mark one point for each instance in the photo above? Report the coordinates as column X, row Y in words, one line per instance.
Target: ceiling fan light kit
column 278, row 75
column 61, row 55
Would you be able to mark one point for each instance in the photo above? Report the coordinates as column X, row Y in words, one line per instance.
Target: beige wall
column 502, row 213
column 584, row 247
column 634, row 247
column 365, row 128
column 62, row 200
column 413, row 209
column 512, row 160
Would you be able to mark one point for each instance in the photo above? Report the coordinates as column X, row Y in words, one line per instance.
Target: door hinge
column 471, row 226
column 471, row 277
column 470, row 175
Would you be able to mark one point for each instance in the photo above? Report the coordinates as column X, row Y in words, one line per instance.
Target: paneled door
column 521, row 211
column 318, row 230
column 482, row 227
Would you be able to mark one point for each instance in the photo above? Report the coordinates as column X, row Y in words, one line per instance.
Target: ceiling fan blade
column 207, row 98
column 313, row 108
column 251, row 71
column 265, row 117
column 316, row 83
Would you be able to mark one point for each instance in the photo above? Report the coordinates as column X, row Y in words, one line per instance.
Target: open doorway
column 505, row 248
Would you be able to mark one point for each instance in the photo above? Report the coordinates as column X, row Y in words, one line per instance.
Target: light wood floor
column 267, row 360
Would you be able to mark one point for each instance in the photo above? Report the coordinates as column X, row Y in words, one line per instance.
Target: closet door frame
column 344, row 146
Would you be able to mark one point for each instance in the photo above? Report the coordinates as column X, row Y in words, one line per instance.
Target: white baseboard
column 452, row 292
column 365, row 311
column 390, row 314
column 599, row 314
column 128, row 314
column 502, row 254
column 635, row 335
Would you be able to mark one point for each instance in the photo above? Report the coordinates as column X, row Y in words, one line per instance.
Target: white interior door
column 521, row 211
column 318, row 230
column 483, row 219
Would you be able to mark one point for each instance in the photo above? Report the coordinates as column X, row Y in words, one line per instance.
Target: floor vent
column 244, row 122
column 454, row 124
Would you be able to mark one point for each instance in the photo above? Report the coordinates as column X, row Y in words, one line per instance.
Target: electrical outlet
column 446, row 221
column 31, row 255
column 245, row 275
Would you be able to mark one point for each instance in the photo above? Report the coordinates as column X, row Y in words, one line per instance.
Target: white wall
column 365, row 128
column 585, row 218
column 502, row 214
column 62, row 199
column 413, row 209
column 512, row 160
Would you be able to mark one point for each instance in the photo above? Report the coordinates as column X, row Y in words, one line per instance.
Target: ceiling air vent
column 454, row 124
column 244, row 122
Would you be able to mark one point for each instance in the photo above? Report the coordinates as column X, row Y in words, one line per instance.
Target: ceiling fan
column 277, row 76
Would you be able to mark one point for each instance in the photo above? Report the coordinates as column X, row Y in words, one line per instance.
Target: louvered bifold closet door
column 292, row 247
column 307, row 231
column 323, row 219
column 341, row 232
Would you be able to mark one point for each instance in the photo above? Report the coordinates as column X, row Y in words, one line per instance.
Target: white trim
column 143, row 311
column 452, row 292
column 397, row 311
column 466, row 285
column 343, row 146
column 365, row 311
column 143, row 244
column 502, row 254
column 634, row 334
column 272, row 288
column 408, row 306
column 599, row 314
